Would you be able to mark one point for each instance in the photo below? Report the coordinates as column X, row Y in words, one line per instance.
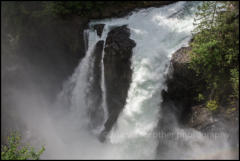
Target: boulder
column 99, row 28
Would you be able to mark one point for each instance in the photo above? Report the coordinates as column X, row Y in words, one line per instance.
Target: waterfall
column 103, row 86
column 85, row 38
column 157, row 37
column 158, row 33
column 73, row 95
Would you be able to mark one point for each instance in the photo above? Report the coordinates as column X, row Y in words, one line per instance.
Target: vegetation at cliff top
column 15, row 151
column 91, row 8
column 215, row 49
column 81, row 8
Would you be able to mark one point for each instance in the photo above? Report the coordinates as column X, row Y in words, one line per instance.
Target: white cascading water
column 157, row 37
column 103, row 86
column 74, row 90
column 158, row 33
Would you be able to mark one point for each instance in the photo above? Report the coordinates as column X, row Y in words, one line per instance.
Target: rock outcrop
column 182, row 83
column 201, row 118
column 119, row 9
column 182, row 90
column 215, row 122
column 99, row 29
column 180, row 106
column 118, row 73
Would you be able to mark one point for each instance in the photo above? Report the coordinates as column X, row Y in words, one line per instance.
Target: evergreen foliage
column 215, row 49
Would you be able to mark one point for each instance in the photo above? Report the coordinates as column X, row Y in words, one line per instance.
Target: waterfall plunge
column 157, row 36
column 158, row 33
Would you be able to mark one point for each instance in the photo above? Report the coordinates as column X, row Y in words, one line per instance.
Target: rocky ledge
column 179, row 100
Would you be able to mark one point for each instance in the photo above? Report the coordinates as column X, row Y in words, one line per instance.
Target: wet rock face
column 99, row 29
column 117, row 72
column 179, row 108
column 214, row 124
column 182, row 84
column 119, row 44
column 204, row 120
column 95, row 111
column 201, row 118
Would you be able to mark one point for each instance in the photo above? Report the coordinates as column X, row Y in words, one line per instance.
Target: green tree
column 14, row 151
column 215, row 48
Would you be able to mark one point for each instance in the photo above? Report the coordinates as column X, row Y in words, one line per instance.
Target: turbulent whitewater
column 158, row 33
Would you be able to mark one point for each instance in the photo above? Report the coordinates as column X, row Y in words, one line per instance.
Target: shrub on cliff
column 81, row 8
column 14, row 151
column 215, row 48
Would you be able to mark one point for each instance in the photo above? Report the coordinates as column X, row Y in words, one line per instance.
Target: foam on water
column 157, row 37
column 158, row 33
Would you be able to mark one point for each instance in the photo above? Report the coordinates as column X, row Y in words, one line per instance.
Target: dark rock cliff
column 180, row 107
column 117, row 72
column 116, row 9
column 182, row 84
column 182, row 90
